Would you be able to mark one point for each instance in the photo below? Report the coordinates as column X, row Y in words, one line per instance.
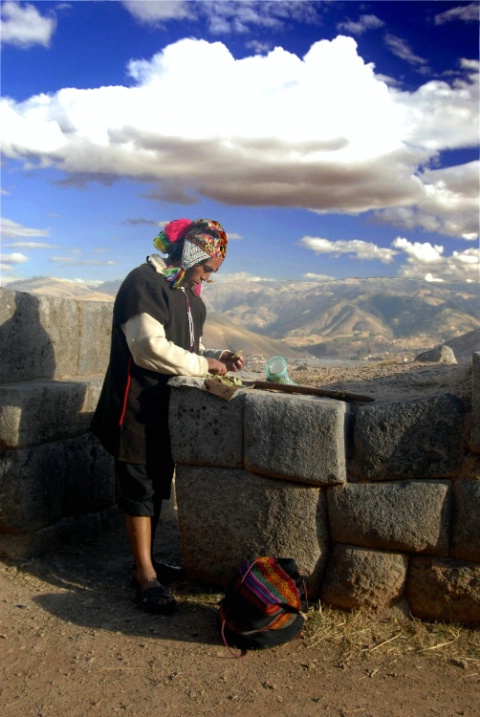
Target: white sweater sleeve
column 151, row 349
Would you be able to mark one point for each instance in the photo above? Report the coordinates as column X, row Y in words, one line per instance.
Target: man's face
column 202, row 272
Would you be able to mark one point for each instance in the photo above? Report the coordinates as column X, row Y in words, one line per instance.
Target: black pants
column 141, row 488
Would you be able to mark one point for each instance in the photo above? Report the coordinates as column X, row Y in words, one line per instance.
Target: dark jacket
column 131, row 419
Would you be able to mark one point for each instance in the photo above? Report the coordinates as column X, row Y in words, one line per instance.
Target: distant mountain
column 61, row 288
column 352, row 318
column 221, row 333
column 219, row 330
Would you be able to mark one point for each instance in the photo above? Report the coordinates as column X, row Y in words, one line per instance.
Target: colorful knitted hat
column 201, row 239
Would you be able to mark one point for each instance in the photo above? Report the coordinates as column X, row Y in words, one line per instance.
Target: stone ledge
column 40, row 411
column 414, row 439
column 296, row 438
column 206, row 429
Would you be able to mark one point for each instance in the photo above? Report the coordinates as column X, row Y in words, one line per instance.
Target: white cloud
column 31, row 245
column 400, row 48
column 318, row 277
column 355, row 248
column 364, row 23
column 427, row 261
column 14, row 258
column 153, row 12
column 463, row 13
column 422, row 252
column 75, row 261
column 240, row 276
column 13, row 230
column 438, row 115
column 279, row 133
column 24, row 26
column 449, row 205
column 221, row 17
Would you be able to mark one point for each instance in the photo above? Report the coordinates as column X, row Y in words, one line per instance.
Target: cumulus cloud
column 355, row 248
column 23, row 25
column 449, row 205
column 427, row 261
column 432, row 114
column 282, row 133
column 419, row 260
column 15, row 258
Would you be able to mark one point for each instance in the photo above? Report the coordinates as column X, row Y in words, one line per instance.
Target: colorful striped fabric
column 263, row 604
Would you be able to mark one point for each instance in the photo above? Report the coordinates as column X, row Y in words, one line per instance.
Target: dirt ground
column 72, row 642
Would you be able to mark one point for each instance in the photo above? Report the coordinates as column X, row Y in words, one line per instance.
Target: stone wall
column 56, row 482
column 379, row 503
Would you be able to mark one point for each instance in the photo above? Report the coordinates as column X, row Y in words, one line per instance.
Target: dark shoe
column 166, row 572
column 157, row 600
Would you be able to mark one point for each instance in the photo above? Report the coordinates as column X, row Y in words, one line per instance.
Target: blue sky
column 331, row 139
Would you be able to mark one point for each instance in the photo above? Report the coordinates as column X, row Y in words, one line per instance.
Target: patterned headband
column 201, row 239
column 207, row 234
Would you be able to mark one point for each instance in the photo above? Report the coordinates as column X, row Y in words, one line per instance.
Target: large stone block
column 95, row 328
column 411, row 516
column 89, row 476
column 356, row 578
column 31, row 487
column 48, row 337
column 444, row 589
column 466, row 523
column 74, row 530
column 226, row 516
column 206, row 429
column 34, row 412
column 412, row 439
column 41, row 485
column 38, row 336
column 297, row 438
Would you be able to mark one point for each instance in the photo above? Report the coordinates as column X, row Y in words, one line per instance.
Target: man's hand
column 233, row 361
column 216, row 368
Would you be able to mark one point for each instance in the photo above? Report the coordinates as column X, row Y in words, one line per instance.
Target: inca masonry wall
column 379, row 503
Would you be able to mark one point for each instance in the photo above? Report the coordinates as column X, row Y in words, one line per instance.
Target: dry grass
column 362, row 633
column 358, row 634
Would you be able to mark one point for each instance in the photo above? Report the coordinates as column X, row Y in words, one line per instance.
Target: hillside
column 348, row 319
column 354, row 318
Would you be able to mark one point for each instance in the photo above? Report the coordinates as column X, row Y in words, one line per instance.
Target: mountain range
column 346, row 319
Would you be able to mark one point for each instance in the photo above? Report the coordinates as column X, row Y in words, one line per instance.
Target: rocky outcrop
column 440, row 354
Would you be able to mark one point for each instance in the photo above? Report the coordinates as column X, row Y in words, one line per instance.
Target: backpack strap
column 222, row 631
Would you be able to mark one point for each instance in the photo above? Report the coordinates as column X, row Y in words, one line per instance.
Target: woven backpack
column 264, row 604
